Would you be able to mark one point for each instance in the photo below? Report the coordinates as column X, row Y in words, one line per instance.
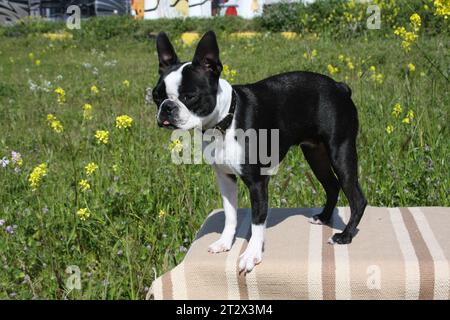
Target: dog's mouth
column 167, row 124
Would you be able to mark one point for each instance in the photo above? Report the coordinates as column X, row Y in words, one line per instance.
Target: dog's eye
column 188, row 98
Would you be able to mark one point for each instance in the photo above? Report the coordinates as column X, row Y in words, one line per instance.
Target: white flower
column 4, row 162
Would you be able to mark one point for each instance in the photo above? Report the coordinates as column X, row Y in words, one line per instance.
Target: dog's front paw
column 220, row 245
column 251, row 257
column 341, row 238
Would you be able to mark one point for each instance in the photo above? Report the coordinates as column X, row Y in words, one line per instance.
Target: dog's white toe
column 220, row 245
column 250, row 258
column 330, row 241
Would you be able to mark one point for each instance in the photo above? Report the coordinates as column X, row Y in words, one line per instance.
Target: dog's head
column 186, row 93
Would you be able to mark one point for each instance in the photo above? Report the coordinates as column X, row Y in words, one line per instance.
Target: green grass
column 125, row 243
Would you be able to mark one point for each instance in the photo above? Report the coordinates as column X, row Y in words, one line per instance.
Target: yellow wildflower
column 314, row 53
column 379, row 78
column 57, row 126
column 332, row 69
column 228, row 73
column 124, row 122
column 87, row 111
column 408, row 37
column 162, row 214
column 126, row 83
column 341, row 58
column 411, row 67
column 372, row 68
column 176, row 146
column 416, row 22
column 83, row 214
column 350, row 65
column 31, row 56
column 115, row 168
column 38, row 62
column 442, row 8
column 102, row 136
column 409, row 117
column 84, row 185
column 54, row 123
column 90, row 168
column 36, row 175
column 389, row 129
column 61, row 95
column 94, row 89
column 397, row 110
column 50, row 117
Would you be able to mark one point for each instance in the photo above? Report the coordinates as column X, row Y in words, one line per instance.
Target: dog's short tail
column 344, row 88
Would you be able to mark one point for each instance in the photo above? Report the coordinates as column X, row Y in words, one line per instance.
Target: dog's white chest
column 226, row 153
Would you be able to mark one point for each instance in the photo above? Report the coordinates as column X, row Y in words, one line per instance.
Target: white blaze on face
column 173, row 82
column 186, row 119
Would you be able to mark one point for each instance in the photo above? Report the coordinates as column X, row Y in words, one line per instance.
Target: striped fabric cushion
column 398, row 253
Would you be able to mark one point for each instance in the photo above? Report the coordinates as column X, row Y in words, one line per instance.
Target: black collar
column 223, row 124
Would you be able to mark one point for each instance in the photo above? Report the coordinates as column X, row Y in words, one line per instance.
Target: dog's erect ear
column 207, row 54
column 166, row 52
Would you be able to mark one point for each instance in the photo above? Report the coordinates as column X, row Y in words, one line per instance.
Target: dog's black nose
column 170, row 107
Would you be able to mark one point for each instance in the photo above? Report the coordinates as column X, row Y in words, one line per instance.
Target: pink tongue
column 166, row 123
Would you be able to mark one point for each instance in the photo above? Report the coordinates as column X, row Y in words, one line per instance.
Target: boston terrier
column 307, row 109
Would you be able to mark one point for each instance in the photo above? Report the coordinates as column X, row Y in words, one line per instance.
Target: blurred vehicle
column 13, row 10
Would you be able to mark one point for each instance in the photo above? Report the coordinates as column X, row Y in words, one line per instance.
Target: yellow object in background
column 289, row 35
column 245, row 34
column 57, row 36
column 189, row 38
column 181, row 6
column 138, row 6
column 255, row 5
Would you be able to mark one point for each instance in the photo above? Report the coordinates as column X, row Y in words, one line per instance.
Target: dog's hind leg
column 344, row 161
column 228, row 189
column 319, row 161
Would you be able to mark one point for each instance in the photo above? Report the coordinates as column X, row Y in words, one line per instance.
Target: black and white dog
column 308, row 109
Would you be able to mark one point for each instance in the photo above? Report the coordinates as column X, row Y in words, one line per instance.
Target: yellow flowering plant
column 102, row 136
column 332, row 69
column 124, row 122
column 162, row 214
column 94, row 89
column 442, row 8
column 84, row 185
column 83, row 214
column 228, row 73
column 176, row 146
column 90, row 168
column 397, row 110
column 374, row 76
column 87, row 111
column 36, row 176
column 390, row 129
column 60, row 95
column 54, row 123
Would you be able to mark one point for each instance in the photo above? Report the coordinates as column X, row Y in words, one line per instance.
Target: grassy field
column 142, row 211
